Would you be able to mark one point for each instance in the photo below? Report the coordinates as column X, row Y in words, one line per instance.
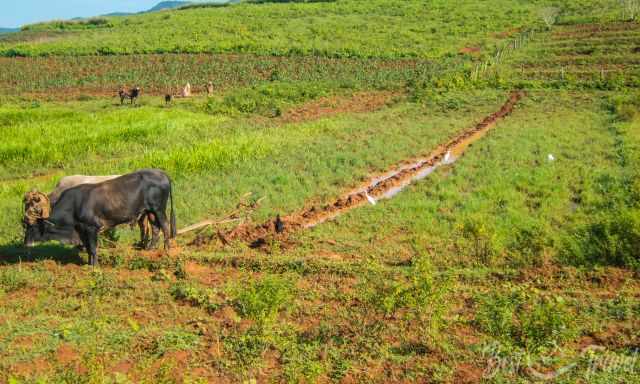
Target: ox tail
column 173, row 214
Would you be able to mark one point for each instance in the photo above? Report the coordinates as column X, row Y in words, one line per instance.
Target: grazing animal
column 279, row 224
column 210, row 89
column 86, row 210
column 71, row 181
column 168, row 98
column 133, row 94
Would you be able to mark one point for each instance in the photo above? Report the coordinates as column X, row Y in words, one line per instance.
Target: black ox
column 82, row 212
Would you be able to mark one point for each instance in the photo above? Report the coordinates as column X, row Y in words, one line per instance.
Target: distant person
column 186, row 91
column 210, row 89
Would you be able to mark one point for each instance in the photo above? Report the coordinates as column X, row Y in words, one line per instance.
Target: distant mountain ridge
column 158, row 7
column 171, row 5
column 168, row 5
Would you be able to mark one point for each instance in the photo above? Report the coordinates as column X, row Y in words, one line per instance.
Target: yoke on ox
column 82, row 212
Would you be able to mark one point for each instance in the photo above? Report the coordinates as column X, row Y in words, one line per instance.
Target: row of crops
column 601, row 55
column 164, row 73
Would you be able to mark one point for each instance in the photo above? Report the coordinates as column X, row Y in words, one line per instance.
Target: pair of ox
column 81, row 207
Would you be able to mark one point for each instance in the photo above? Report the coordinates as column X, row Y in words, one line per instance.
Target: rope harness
column 36, row 206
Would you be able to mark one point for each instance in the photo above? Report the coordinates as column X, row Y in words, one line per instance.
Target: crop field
column 459, row 189
column 592, row 56
column 74, row 77
column 348, row 28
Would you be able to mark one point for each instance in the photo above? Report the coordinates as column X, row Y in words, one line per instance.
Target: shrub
column 526, row 320
column 262, row 300
column 481, row 238
column 624, row 106
column 527, row 245
column 420, row 293
column 612, row 238
column 198, row 296
column 441, row 100
column 13, row 279
column 98, row 284
column 175, row 340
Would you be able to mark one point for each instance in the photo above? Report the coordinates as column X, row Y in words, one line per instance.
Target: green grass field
column 346, row 28
column 516, row 263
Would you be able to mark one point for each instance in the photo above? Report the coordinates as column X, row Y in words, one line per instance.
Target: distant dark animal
column 209, row 89
column 168, row 98
column 279, row 224
column 133, row 94
column 84, row 211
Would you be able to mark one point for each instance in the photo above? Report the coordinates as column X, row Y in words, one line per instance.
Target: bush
column 481, row 239
column 420, row 293
column 528, row 245
column 95, row 22
column 625, row 106
column 262, row 300
column 612, row 238
column 526, row 320
column 201, row 297
column 175, row 340
column 13, row 279
column 99, row 284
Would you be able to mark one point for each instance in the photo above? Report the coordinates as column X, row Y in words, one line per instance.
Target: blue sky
column 14, row 13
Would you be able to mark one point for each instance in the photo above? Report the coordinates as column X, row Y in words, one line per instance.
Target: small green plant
column 421, row 292
column 528, row 245
column 523, row 318
column 262, row 300
column 99, row 283
column 610, row 238
column 206, row 298
column 621, row 308
column 180, row 269
column 481, row 238
column 175, row 340
column 13, row 279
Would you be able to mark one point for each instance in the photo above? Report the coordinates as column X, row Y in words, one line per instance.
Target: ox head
column 37, row 210
column 37, row 226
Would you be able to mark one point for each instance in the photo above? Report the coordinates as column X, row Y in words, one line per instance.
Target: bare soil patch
column 327, row 106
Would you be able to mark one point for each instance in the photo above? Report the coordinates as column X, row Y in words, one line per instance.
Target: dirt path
column 379, row 187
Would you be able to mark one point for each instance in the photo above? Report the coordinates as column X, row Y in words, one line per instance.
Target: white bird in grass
column 447, row 157
column 551, row 157
column 371, row 199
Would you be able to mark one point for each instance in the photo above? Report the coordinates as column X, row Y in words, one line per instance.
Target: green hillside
column 345, row 28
